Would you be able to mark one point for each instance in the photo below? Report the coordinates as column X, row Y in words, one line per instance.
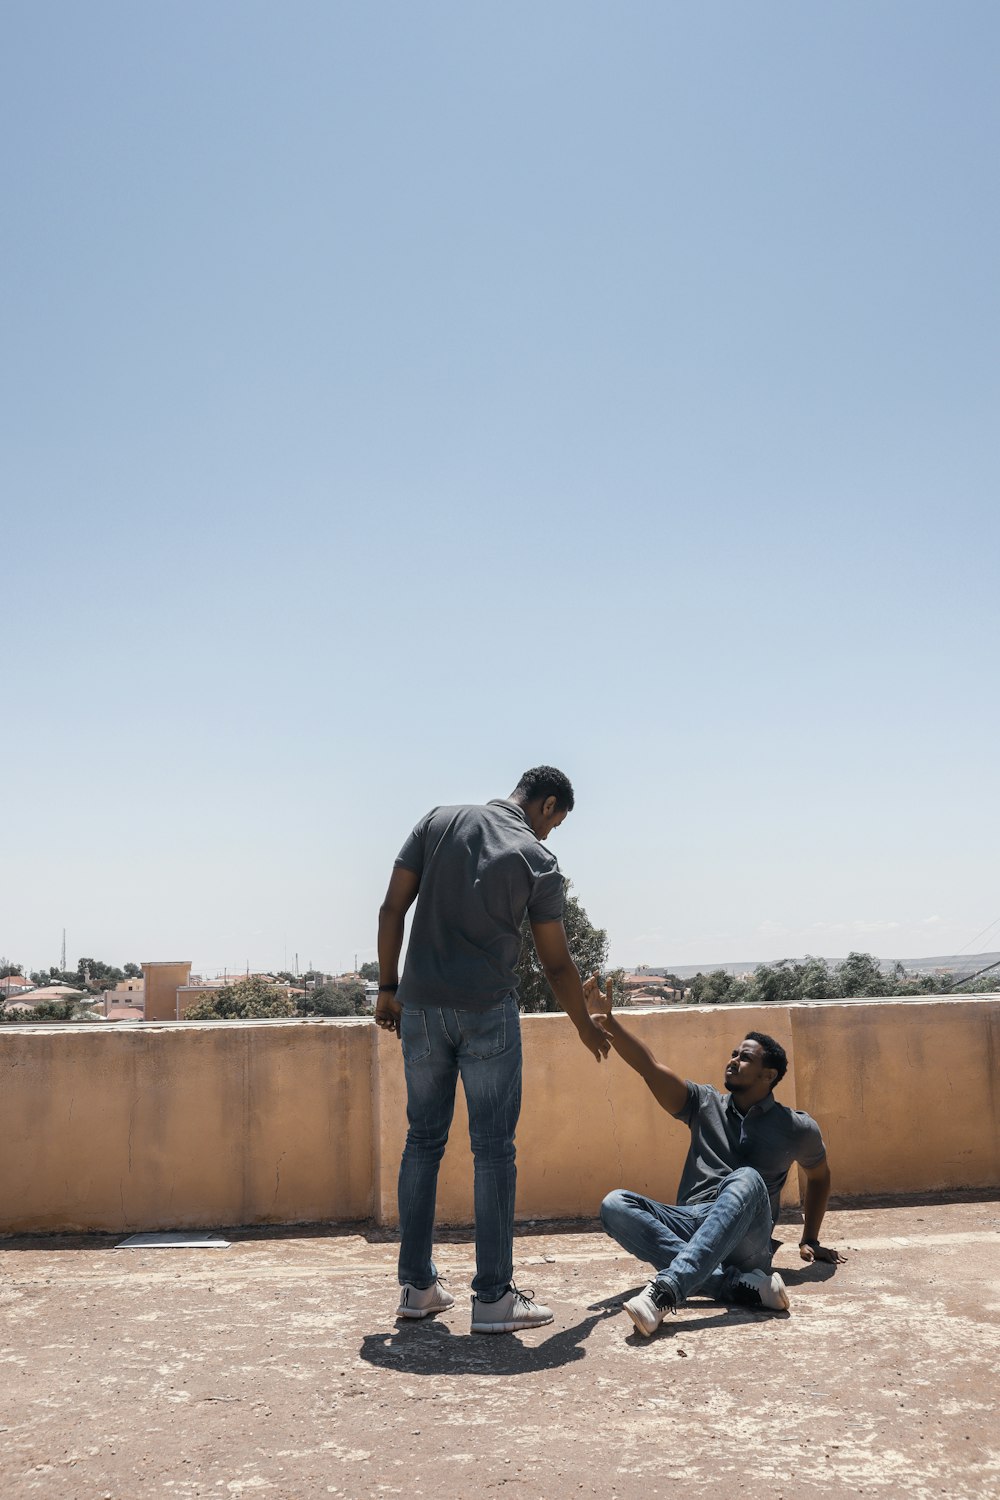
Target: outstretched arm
column 564, row 981
column 400, row 896
column 817, row 1196
column 667, row 1088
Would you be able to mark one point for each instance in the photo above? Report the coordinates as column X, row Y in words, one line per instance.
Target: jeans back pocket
column 484, row 1032
column 413, row 1035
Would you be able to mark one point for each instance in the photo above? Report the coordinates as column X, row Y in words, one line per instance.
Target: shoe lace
column 526, row 1297
column 662, row 1296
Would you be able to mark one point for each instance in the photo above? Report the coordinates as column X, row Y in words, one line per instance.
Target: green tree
column 587, row 944
column 716, row 988
column 861, row 974
column 94, row 975
column 132, row 971
column 369, row 971
column 817, row 981
column 346, row 999
column 55, row 976
column 787, row 982
column 247, row 999
column 67, row 1009
column 49, row 1010
column 8, row 970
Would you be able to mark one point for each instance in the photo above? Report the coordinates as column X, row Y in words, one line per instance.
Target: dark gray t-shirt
column 769, row 1137
column 481, row 869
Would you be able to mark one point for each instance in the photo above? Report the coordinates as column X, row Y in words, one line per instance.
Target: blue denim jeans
column 701, row 1247
column 439, row 1043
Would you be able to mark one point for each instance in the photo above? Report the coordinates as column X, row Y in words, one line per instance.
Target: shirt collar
column 760, row 1108
column 515, row 808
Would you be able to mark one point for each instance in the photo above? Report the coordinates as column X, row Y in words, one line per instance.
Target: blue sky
column 395, row 396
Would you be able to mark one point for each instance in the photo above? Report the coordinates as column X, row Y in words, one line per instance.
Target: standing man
column 717, row 1238
column 474, row 873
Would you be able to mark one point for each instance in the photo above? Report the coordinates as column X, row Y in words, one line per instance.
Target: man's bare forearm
column 669, row 1091
column 567, row 987
column 629, row 1047
column 816, row 1199
column 391, row 925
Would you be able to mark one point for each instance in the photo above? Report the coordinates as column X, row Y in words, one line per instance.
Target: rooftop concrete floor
column 275, row 1368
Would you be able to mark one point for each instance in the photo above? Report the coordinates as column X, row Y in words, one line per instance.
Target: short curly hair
column 546, row 781
column 775, row 1055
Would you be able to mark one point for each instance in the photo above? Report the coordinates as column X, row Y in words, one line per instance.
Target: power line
column 970, row 977
column 978, row 936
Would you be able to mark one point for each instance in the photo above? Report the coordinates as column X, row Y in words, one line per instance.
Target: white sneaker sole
column 647, row 1333
column 513, row 1325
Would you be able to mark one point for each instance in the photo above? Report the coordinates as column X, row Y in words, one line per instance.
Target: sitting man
column 717, row 1238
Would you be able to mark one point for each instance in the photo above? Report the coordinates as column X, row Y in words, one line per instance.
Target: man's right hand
column 387, row 1011
column 594, row 1037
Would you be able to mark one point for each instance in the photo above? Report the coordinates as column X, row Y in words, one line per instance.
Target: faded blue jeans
column 701, row 1247
column 439, row 1043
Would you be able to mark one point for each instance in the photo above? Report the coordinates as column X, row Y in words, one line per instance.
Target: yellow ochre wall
column 208, row 1124
column 198, row 1124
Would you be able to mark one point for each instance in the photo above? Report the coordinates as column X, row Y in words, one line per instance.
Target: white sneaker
column 510, row 1312
column 649, row 1308
column 420, row 1302
column 761, row 1289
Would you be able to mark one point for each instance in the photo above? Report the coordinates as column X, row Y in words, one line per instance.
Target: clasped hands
column 598, row 1000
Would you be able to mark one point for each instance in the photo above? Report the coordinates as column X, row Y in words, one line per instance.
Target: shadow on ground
column 430, row 1348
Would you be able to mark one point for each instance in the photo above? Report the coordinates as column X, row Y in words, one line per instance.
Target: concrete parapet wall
column 205, row 1124
column 908, row 1095
column 198, row 1124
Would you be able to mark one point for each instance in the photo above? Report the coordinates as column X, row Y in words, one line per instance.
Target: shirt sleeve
column 810, row 1149
column 411, row 856
column 548, row 899
column 693, row 1105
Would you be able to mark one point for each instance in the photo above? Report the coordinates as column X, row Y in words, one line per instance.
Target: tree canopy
column 587, row 944
column 789, row 980
column 345, row 998
column 247, row 999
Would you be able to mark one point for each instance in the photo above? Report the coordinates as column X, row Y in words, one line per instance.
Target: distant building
column 126, row 1002
column 51, row 992
column 13, row 986
column 162, row 980
column 27, row 1000
column 115, row 1012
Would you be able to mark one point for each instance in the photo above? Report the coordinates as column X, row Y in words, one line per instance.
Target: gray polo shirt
column 481, row 870
column 769, row 1137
